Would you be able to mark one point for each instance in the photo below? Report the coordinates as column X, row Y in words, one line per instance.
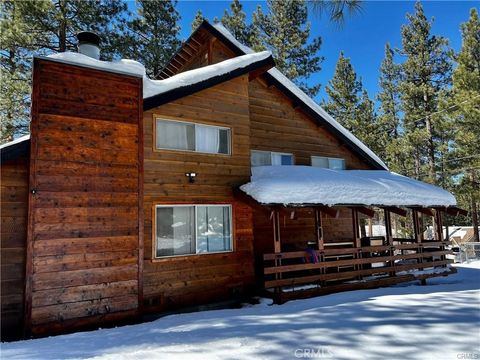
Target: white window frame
column 229, row 153
column 195, row 226
column 271, row 155
column 328, row 160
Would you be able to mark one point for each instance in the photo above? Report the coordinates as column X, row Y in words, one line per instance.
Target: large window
column 193, row 229
column 328, row 163
column 265, row 158
column 180, row 135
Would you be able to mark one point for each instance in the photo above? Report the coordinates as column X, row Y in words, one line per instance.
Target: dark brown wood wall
column 187, row 280
column 14, row 209
column 277, row 126
column 86, row 171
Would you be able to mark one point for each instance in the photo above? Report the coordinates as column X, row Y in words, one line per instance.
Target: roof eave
column 15, row 150
column 177, row 93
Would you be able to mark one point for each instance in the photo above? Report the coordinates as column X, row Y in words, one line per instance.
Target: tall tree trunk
column 62, row 36
column 473, row 204
column 431, row 151
column 417, row 163
column 431, row 144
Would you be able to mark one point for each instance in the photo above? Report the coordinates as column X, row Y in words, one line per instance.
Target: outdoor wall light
column 191, row 176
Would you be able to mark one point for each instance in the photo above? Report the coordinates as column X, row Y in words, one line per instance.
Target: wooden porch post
column 389, row 237
column 356, row 233
column 439, row 224
column 418, row 233
column 388, row 227
column 416, row 226
column 356, row 239
column 439, row 230
column 276, row 231
column 277, row 248
column 318, row 228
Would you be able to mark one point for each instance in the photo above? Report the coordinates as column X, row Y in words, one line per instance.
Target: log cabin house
column 218, row 180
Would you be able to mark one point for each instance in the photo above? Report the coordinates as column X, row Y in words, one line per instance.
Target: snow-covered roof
column 14, row 142
column 153, row 88
column 16, row 148
column 300, row 185
column 304, row 97
column 158, row 87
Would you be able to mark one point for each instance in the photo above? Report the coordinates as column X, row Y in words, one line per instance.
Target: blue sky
column 363, row 36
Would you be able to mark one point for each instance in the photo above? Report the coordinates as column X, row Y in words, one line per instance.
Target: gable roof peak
column 296, row 94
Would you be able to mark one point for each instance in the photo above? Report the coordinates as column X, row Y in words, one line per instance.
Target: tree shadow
column 406, row 321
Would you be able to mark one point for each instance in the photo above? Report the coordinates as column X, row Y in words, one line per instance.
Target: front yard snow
column 438, row 321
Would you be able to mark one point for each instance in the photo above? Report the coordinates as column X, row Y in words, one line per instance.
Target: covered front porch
column 321, row 246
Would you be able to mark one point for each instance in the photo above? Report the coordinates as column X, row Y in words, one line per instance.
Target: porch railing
column 336, row 265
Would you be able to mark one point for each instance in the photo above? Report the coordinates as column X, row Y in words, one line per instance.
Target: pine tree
column 44, row 27
column 17, row 40
column 343, row 91
column 235, row 23
column 350, row 104
column 59, row 21
column 247, row 34
column 197, row 20
column 389, row 97
column 366, row 124
column 466, row 98
column 336, row 9
column 426, row 71
column 152, row 35
column 389, row 120
column 284, row 31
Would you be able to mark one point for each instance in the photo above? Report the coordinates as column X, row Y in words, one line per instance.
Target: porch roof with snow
column 307, row 185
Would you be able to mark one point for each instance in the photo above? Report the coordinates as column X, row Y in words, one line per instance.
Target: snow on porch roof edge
column 306, row 185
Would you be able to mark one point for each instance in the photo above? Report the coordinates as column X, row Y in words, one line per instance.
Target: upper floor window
column 328, row 163
column 181, row 135
column 265, row 158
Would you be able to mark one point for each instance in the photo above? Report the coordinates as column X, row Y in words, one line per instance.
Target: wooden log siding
column 277, row 126
column 189, row 280
column 83, row 263
column 13, row 238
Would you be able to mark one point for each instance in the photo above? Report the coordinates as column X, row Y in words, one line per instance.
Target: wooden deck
column 291, row 275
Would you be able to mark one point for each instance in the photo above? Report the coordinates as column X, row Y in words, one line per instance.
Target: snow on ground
column 439, row 321
column 297, row 184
